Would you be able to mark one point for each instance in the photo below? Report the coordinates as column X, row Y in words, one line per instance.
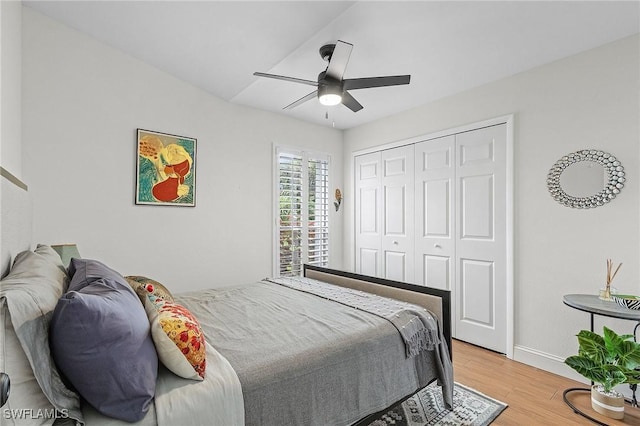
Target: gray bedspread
column 418, row 328
column 305, row 360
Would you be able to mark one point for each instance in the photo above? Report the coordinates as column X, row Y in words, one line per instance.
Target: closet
column 435, row 213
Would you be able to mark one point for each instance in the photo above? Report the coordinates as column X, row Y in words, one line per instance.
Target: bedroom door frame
column 508, row 121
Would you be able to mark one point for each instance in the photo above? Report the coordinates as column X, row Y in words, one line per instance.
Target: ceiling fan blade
column 339, row 60
column 350, row 102
column 302, row 100
column 285, row 78
column 367, row 82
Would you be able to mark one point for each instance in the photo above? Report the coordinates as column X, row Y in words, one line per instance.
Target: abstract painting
column 166, row 169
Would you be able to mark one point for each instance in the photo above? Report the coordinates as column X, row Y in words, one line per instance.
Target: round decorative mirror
column 585, row 179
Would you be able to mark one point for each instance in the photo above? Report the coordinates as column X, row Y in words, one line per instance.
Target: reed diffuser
column 611, row 274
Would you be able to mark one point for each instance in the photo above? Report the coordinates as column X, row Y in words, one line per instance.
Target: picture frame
column 165, row 169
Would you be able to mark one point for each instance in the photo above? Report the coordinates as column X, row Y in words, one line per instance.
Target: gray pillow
column 31, row 291
column 101, row 342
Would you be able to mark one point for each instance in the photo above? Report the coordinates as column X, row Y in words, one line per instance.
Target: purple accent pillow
column 100, row 340
column 85, row 271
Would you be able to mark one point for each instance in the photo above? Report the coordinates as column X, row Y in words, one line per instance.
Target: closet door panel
column 477, row 199
column 368, row 175
column 437, row 270
column 480, row 288
column 477, row 293
column 395, row 210
column 369, row 220
column 395, row 265
column 398, row 211
column 368, row 261
column 434, row 195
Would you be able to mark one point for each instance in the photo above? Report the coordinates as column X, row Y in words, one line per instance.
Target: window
column 302, row 204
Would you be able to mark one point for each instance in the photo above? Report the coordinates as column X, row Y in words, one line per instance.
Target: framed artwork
column 166, row 169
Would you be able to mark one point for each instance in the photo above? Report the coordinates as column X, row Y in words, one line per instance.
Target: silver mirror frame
column 612, row 167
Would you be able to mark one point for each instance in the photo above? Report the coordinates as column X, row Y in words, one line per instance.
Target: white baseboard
column 547, row 362
column 555, row 364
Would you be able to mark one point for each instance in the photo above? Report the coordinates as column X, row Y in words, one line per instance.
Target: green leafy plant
column 609, row 360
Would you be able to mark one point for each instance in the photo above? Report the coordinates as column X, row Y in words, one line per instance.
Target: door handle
column 437, row 246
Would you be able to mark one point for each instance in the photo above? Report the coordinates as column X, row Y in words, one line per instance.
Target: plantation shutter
column 302, row 225
column 318, row 208
column 290, row 214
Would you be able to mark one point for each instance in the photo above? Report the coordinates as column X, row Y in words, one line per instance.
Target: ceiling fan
column 331, row 87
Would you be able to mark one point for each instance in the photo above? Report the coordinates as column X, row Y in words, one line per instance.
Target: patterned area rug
column 426, row 407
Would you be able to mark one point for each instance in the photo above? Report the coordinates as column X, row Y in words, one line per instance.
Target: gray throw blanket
column 416, row 325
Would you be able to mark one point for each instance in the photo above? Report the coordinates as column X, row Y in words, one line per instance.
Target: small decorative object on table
column 627, row 301
column 605, row 294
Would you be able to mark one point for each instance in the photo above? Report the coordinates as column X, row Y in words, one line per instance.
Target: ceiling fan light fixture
column 329, row 96
column 330, row 99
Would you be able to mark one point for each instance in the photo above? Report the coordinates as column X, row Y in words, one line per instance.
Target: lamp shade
column 66, row 252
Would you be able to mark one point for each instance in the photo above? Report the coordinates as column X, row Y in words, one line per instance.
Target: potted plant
column 608, row 360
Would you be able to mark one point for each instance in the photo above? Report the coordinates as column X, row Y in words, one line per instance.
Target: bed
column 328, row 348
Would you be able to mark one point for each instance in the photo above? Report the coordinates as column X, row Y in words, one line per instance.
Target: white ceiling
column 446, row 46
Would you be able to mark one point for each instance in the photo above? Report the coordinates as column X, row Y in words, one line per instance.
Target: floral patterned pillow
column 143, row 285
column 178, row 337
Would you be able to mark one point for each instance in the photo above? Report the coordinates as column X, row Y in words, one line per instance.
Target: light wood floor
column 534, row 396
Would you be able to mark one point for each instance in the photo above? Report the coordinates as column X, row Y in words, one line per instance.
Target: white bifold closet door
column 481, row 241
column 385, row 213
column 368, row 214
column 434, row 213
column 398, row 213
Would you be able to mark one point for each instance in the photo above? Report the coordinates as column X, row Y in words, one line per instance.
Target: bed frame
column 437, row 301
